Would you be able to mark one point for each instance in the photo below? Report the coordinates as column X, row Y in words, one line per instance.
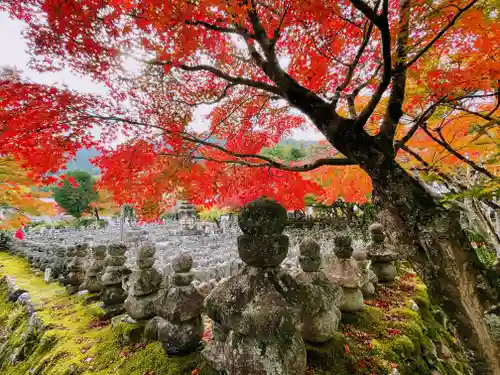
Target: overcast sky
column 14, row 54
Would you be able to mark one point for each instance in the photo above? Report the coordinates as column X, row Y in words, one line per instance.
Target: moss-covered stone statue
column 256, row 325
column 77, row 267
column 320, row 315
column 381, row 254
column 180, row 326
column 113, row 279
column 368, row 276
column 144, row 284
column 345, row 272
column 92, row 281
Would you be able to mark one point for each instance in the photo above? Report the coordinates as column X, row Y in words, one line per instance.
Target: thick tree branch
column 219, row 73
column 382, row 23
column 276, row 165
column 231, row 30
column 268, row 162
column 394, row 109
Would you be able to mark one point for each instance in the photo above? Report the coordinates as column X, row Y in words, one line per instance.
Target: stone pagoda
column 144, row 284
column 92, row 281
column 345, row 272
column 180, row 326
column 319, row 298
column 255, row 322
column 113, row 279
column 381, row 254
column 77, row 267
column 188, row 218
column 369, row 277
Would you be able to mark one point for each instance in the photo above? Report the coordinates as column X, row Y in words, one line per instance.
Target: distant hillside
column 82, row 163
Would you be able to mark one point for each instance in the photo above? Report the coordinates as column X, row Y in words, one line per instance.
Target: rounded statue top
column 99, row 251
column 182, row 262
column 147, row 250
column 309, row 248
column 377, row 233
column 343, row 248
column 117, row 249
column 359, row 255
column 262, row 217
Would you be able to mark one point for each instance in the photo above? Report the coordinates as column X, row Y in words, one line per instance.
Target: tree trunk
column 438, row 248
column 443, row 257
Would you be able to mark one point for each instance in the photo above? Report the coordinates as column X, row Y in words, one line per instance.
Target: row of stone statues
column 261, row 316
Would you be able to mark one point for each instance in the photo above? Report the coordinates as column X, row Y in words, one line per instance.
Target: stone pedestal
column 256, row 322
column 381, row 254
column 92, row 281
column 180, row 327
column 345, row 272
column 144, row 284
column 112, row 280
column 77, row 267
column 320, row 315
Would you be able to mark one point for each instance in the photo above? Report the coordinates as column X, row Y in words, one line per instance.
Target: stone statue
column 113, row 278
column 92, row 281
column 369, row 277
column 255, row 324
column 381, row 254
column 320, row 297
column 180, row 327
column 77, row 267
column 144, row 284
column 346, row 273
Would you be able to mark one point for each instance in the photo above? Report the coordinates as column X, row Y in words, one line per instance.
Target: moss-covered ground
column 387, row 334
column 75, row 340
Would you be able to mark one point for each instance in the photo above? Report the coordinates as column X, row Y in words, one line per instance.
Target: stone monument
column 255, row 324
column 188, row 219
column 345, row 272
column 180, row 326
column 381, row 254
column 92, row 281
column 112, row 280
column 320, row 297
column 144, row 284
column 368, row 276
column 77, row 267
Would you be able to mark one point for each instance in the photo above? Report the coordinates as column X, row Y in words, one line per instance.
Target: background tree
column 76, row 193
column 368, row 75
column 19, row 196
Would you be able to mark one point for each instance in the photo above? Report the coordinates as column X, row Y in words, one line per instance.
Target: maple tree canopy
column 408, row 77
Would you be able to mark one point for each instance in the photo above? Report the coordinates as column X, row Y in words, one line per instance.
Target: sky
column 14, row 54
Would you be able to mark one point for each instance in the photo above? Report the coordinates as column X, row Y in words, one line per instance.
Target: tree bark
column 436, row 244
column 443, row 257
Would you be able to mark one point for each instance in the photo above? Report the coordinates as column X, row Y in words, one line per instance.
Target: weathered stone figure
column 320, row 297
column 346, row 273
column 180, row 327
column 60, row 262
column 92, row 281
column 381, row 254
column 113, row 278
column 368, row 276
column 144, row 284
column 77, row 267
column 254, row 322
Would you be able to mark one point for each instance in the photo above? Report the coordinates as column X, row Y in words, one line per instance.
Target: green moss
column 369, row 342
column 72, row 341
